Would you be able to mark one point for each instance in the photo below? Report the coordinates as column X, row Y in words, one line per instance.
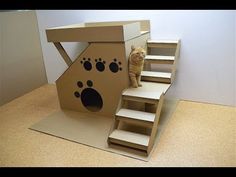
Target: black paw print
column 90, row 98
column 100, row 64
column 115, row 66
column 86, row 63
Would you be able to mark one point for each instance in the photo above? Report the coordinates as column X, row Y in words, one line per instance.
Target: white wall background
column 235, row 60
column 207, row 65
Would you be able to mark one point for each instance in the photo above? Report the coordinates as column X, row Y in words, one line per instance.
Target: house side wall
column 108, row 84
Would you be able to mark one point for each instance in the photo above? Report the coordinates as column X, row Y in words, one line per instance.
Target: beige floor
column 197, row 135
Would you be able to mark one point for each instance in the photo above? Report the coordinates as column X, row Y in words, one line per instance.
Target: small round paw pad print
column 90, row 98
column 100, row 64
column 115, row 66
column 86, row 63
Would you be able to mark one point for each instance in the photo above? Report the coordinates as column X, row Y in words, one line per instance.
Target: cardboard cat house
column 97, row 82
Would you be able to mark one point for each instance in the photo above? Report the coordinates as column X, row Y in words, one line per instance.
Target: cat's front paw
column 135, row 86
column 140, row 85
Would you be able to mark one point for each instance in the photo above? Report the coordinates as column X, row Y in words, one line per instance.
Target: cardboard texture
column 103, row 82
column 106, row 66
column 144, row 24
column 92, row 130
column 95, row 88
column 115, row 33
column 21, row 65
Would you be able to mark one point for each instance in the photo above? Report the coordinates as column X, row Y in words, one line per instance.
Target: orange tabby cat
column 136, row 61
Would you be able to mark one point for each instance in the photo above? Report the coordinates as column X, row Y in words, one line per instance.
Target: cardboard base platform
column 92, row 130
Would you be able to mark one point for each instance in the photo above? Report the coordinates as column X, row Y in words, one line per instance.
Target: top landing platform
column 118, row 31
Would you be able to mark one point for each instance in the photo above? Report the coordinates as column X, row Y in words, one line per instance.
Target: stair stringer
column 155, row 124
column 177, row 52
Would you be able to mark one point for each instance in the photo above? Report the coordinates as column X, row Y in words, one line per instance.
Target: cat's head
column 137, row 53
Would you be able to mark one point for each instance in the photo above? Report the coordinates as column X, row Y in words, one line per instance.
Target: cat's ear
column 132, row 47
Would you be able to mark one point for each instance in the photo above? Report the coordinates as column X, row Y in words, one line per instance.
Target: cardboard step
column 150, row 92
column 160, row 59
column 156, row 76
column 162, row 43
column 130, row 139
column 144, row 32
column 138, row 117
column 136, row 94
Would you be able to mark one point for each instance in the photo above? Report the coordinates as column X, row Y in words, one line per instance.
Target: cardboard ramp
column 93, row 130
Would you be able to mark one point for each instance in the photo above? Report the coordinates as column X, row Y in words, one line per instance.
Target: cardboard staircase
column 151, row 98
column 97, row 81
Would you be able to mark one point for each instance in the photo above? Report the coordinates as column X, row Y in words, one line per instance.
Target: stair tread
column 130, row 137
column 159, row 57
column 163, row 41
column 135, row 92
column 144, row 32
column 149, row 90
column 137, row 115
column 156, row 74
